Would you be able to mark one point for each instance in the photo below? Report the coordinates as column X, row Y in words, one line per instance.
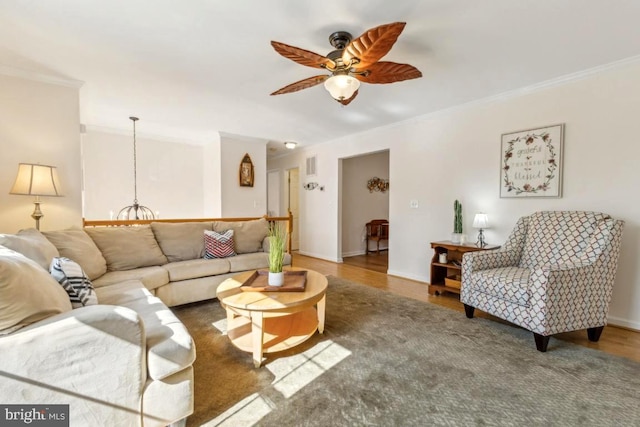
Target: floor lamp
column 36, row 180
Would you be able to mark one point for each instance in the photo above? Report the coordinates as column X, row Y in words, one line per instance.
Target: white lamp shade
column 36, row 180
column 481, row 220
column 341, row 86
column 290, row 145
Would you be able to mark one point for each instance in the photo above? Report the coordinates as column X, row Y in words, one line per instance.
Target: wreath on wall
column 551, row 168
column 377, row 184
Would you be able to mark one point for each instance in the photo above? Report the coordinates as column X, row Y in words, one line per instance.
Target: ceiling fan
column 352, row 62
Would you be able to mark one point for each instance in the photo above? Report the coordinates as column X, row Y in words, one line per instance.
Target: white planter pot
column 276, row 279
column 455, row 237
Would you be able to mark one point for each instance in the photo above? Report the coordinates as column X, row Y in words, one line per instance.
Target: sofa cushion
column 218, row 245
column 181, row 241
column 28, row 293
column 32, row 244
column 170, row 347
column 151, row 277
column 74, row 281
column 248, row 235
column 253, row 261
column 507, row 283
column 75, row 244
column 122, row 293
column 126, row 248
column 192, row 269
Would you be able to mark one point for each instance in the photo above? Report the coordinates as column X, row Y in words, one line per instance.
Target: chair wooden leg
column 468, row 310
column 541, row 341
column 594, row 333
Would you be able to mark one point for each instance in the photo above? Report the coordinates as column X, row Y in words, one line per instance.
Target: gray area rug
column 385, row 360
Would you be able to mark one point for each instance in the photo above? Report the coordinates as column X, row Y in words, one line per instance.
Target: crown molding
column 144, row 135
column 39, row 77
column 516, row 93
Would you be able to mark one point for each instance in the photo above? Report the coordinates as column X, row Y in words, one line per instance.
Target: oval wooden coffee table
column 266, row 322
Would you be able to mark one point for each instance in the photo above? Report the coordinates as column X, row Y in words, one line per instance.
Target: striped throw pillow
column 74, row 280
column 218, row 245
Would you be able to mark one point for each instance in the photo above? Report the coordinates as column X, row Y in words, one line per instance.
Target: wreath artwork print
column 532, row 163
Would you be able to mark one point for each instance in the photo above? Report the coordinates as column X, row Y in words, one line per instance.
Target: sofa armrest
column 92, row 358
column 485, row 260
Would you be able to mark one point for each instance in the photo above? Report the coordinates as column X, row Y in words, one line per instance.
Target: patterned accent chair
column 554, row 274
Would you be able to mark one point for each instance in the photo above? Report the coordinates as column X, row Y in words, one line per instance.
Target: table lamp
column 36, row 180
column 481, row 221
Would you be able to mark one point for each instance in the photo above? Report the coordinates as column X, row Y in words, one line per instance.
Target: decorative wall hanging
column 531, row 163
column 378, row 184
column 246, row 171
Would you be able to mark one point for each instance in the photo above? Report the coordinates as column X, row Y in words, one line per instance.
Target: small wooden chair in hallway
column 377, row 229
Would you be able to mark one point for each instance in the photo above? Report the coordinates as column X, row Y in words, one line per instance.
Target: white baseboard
column 338, row 260
column 353, row 253
column 408, row 276
column 625, row 323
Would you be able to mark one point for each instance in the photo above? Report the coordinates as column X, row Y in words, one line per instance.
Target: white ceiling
column 193, row 68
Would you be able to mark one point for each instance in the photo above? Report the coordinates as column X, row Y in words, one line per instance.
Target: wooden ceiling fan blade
column 371, row 46
column 302, row 56
column 348, row 101
column 302, row 84
column 389, row 72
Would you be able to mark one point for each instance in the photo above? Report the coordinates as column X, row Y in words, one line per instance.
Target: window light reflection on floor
column 291, row 374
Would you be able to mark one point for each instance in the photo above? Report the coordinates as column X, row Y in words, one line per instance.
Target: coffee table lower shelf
column 279, row 333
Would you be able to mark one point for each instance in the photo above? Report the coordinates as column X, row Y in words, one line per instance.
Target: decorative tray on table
column 294, row 281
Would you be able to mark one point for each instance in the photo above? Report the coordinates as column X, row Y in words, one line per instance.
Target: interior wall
column 169, row 175
column 456, row 155
column 237, row 201
column 359, row 205
column 39, row 123
column 212, row 180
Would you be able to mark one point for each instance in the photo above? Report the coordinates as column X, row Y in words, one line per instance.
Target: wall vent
column 311, row 166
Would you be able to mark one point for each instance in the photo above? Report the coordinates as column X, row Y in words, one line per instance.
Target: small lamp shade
column 341, row 86
column 36, row 180
column 481, row 220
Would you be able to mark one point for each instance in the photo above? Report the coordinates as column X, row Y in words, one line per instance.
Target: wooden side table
column 446, row 277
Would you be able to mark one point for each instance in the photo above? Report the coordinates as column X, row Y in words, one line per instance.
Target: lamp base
column 481, row 242
column 37, row 213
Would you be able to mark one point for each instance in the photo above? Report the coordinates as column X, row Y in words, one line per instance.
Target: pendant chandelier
column 135, row 211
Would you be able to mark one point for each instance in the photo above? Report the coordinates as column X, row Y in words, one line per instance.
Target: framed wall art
column 246, row 171
column 531, row 162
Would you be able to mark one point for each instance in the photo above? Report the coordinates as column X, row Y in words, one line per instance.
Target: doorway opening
column 361, row 205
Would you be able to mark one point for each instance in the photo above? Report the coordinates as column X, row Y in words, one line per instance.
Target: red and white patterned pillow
column 218, row 245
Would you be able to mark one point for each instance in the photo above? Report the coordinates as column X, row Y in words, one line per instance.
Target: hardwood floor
column 376, row 262
column 614, row 340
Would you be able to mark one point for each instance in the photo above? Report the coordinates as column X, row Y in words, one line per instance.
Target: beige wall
column 239, row 201
column 456, row 155
column 39, row 123
column 169, row 174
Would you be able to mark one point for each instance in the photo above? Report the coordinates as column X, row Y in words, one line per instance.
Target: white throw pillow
column 74, row 281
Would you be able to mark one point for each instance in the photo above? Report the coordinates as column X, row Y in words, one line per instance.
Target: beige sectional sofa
column 127, row 360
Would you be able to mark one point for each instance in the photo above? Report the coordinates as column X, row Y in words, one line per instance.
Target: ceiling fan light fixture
column 341, row 86
column 290, row 145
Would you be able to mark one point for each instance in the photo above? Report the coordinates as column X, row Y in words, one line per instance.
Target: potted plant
column 457, row 235
column 277, row 245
